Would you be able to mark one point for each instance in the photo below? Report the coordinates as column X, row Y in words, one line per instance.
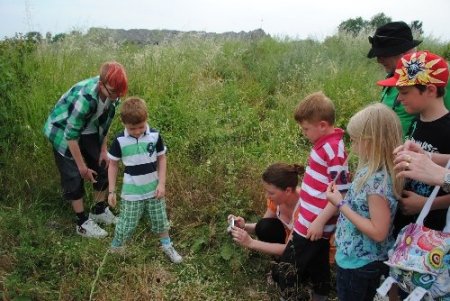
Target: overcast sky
column 297, row 19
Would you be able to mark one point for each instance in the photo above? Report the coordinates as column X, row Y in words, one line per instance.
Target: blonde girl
column 364, row 228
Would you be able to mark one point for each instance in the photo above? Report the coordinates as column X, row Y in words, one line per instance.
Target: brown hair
column 440, row 91
column 113, row 73
column 283, row 175
column 315, row 107
column 133, row 111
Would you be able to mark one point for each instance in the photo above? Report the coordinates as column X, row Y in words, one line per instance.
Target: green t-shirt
column 389, row 98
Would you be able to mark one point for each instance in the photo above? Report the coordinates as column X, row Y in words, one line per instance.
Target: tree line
column 356, row 26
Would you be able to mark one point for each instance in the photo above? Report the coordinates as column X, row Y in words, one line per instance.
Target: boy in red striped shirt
column 307, row 253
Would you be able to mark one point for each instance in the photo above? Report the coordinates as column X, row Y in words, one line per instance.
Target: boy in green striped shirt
column 143, row 154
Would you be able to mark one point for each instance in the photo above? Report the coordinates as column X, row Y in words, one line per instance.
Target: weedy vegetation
column 224, row 108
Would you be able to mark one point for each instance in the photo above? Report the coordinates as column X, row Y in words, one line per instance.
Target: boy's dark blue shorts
column 71, row 181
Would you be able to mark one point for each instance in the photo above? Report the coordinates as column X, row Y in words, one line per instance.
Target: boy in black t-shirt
column 421, row 78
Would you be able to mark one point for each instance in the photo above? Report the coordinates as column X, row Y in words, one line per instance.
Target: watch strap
column 446, row 185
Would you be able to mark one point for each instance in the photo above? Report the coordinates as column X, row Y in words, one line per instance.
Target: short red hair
column 113, row 74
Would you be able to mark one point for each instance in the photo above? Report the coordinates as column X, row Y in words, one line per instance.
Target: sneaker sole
column 172, row 260
column 91, row 236
column 100, row 221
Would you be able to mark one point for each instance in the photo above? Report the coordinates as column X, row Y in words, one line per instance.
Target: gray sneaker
column 172, row 253
column 90, row 229
column 106, row 217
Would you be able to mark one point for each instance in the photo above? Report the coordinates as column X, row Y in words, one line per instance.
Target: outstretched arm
column 411, row 147
column 419, row 167
column 162, row 173
column 411, row 203
column 249, row 227
column 85, row 172
column 242, row 238
column 112, row 176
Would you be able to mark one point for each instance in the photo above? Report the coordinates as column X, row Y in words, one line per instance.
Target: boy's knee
column 74, row 191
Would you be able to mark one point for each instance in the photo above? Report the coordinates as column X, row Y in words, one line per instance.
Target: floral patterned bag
column 420, row 260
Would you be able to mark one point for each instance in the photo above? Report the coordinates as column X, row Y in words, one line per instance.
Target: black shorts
column 304, row 260
column 72, row 183
column 270, row 229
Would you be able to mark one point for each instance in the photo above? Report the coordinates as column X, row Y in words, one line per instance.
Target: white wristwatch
column 446, row 185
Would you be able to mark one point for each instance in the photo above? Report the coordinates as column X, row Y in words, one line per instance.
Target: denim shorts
column 361, row 283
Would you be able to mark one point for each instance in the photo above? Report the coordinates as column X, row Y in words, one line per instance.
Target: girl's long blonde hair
column 378, row 131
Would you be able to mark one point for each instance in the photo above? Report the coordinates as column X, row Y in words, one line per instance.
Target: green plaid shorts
column 132, row 211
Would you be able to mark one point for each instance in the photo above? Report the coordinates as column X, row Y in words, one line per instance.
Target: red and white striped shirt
column 326, row 160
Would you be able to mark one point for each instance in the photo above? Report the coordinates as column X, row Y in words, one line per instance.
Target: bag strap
column 426, row 208
column 447, row 227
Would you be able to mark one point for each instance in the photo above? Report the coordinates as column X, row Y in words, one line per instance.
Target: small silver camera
column 230, row 224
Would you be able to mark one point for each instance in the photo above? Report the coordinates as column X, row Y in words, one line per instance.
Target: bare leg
column 100, row 196
column 168, row 249
column 78, row 206
column 164, row 234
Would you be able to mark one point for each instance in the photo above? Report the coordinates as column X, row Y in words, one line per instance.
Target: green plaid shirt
column 72, row 114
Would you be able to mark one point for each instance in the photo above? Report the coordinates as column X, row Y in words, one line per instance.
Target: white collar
column 147, row 132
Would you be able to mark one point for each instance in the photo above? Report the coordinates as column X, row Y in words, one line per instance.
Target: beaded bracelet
column 341, row 203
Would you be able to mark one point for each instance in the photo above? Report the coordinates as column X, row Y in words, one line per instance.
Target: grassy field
column 224, row 108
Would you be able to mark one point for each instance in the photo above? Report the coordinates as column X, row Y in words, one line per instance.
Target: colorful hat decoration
column 419, row 68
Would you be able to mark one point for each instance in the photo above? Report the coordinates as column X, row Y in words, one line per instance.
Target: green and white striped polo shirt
column 139, row 155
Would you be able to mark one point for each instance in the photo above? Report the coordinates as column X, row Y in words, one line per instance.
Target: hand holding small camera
column 237, row 221
column 231, row 224
column 241, row 237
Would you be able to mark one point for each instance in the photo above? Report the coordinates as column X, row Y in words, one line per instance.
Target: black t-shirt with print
column 434, row 137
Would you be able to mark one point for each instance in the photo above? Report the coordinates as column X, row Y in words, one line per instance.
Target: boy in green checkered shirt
column 77, row 128
column 143, row 154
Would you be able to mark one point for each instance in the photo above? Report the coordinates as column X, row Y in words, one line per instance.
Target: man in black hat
column 389, row 43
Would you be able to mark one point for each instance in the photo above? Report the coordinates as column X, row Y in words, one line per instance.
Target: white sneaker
column 106, row 217
column 172, row 254
column 90, row 229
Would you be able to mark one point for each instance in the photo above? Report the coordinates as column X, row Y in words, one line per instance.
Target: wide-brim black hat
column 392, row 39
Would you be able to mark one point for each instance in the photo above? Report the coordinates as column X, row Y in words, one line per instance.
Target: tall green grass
column 224, row 108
